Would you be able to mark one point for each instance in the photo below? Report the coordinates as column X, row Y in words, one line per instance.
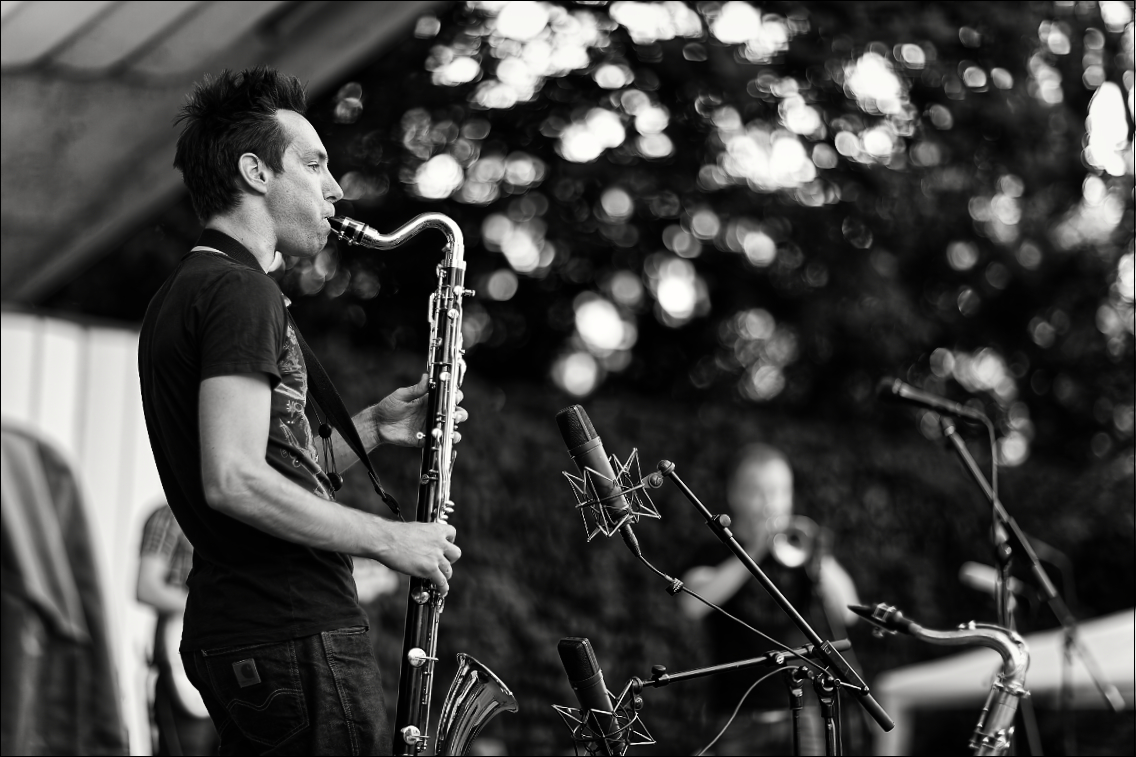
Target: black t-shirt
column 219, row 315
column 730, row 641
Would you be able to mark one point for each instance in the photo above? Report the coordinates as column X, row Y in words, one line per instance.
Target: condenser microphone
column 894, row 390
column 586, row 679
column 586, row 450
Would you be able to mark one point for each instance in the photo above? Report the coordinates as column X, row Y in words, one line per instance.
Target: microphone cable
column 737, row 709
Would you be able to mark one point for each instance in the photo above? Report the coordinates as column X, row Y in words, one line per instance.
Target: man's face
column 759, row 492
column 301, row 198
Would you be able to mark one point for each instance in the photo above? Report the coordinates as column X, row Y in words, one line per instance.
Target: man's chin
column 312, row 248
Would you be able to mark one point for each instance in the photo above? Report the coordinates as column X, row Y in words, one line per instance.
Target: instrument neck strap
column 320, row 388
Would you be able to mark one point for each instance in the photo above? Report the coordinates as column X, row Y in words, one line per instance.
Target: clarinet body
column 476, row 695
column 995, row 729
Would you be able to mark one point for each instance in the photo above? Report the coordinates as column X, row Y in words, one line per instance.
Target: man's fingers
column 449, row 532
column 439, row 580
column 452, row 552
column 410, row 393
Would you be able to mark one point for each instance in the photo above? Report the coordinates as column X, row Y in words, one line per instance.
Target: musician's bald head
column 761, row 486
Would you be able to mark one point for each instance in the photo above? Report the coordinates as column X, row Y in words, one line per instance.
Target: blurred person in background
column 760, row 494
column 274, row 637
column 176, row 710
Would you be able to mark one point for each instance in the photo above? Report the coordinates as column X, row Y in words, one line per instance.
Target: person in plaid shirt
column 182, row 722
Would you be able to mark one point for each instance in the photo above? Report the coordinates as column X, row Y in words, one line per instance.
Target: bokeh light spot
column 502, row 285
column 577, row 373
column 617, row 204
column 522, row 20
column 438, row 177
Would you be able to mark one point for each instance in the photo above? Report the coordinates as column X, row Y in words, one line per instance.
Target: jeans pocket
column 260, row 688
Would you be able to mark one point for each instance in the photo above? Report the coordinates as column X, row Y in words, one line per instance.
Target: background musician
column 760, row 491
column 183, row 725
column 274, row 637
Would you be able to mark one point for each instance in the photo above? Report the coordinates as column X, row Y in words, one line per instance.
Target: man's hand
column 401, row 415
column 423, row 550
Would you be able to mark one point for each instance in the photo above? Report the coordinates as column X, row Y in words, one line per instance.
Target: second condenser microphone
column 586, row 679
column 587, row 451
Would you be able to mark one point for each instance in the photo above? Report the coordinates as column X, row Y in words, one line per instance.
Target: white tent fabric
column 964, row 679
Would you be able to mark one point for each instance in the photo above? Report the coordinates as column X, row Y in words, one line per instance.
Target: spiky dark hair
column 224, row 117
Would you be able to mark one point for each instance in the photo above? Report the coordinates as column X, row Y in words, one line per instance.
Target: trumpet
column 793, row 540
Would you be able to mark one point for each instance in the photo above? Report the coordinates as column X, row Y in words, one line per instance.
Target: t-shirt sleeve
column 242, row 326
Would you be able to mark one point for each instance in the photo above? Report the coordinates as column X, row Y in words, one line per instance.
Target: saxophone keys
column 452, row 313
column 444, row 376
column 420, row 435
column 437, row 432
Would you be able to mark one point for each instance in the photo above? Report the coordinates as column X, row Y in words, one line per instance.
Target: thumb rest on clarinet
column 476, row 694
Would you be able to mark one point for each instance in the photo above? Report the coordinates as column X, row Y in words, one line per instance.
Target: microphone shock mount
column 597, row 513
column 627, row 728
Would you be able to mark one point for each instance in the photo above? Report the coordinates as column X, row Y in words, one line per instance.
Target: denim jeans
column 319, row 694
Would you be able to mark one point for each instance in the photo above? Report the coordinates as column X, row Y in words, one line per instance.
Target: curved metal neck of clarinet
column 355, row 232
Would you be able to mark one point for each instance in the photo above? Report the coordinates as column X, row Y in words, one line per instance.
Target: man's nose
column 333, row 192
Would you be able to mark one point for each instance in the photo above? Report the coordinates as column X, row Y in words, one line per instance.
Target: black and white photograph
column 538, row 377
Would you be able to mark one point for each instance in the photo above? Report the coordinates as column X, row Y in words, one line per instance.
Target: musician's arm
column 152, row 589
column 717, row 583
column 234, row 416
column 837, row 590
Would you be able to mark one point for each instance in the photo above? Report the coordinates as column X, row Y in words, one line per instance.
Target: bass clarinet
column 475, row 695
column 995, row 729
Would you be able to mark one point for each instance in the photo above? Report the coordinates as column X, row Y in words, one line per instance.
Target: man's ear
column 254, row 173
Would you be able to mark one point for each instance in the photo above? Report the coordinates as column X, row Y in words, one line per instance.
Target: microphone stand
column 775, row 659
column 825, row 650
column 1053, row 598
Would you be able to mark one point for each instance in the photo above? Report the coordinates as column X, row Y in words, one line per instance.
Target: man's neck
column 261, row 243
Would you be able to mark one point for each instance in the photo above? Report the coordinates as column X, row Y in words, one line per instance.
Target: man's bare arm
column 234, row 415
column 838, row 590
column 152, row 588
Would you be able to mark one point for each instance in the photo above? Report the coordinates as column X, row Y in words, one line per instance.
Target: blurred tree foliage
column 775, row 203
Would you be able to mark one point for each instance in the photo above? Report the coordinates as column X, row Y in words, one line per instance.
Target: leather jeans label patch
column 246, row 672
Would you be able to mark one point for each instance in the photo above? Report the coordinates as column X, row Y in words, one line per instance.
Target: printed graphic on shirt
column 290, row 433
